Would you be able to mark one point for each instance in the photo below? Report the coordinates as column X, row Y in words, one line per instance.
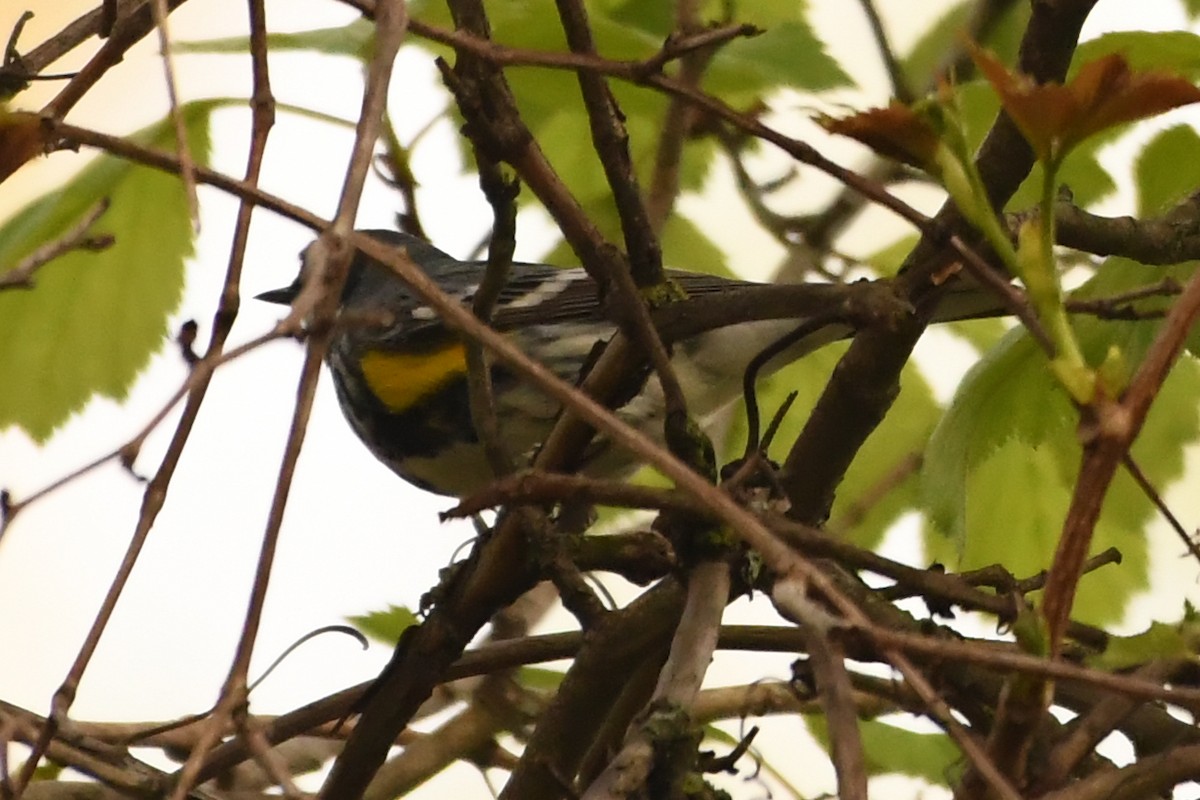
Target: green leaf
column 1159, row 642
column 929, row 53
column 743, row 71
column 385, row 626
column 881, row 484
column 684, row 245
column 981, row 334
column 786, row 54
column 1001, row 465
column 1081, row 172
column 93, row 320
column 540, row 679
column 892, row 750
column 346, row 40
column 887, row 260
column 1176, row 51
column 1192, row 7
column 1166, row 170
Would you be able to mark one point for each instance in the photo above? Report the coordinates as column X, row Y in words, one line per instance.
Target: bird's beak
column 283, row 297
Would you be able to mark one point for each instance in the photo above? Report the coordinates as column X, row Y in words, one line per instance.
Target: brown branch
column 129, row 30
column 1170, row 238
column 1149, row 776
column 679, row 682
column 75, row 238
column 187, row 165
column 900, row 88
column 1110, row 427
column 678, row 120
column 18, row 69
column 331, row 256
column 827, row 659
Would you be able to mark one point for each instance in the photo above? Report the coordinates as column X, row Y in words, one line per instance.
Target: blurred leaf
column 883, row 482
column 742, row 71
column 892, row 750
column 1178, row 51
column 93, row 320
column 540, row 679
column 1081, row 172
column 1192, row 7
column 784, row 54
column 887, row 260
column 46, row 771
column 1167, row 170
column 1159, row 642
column 684, row 245
column 982, row 334
column 929, row 53
column 385, row 626
column 345, row 40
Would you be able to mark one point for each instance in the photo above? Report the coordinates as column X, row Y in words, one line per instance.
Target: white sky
column 355, row 538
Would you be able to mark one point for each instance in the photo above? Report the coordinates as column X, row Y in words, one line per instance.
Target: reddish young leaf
column 1105, row 92
column 895, row 132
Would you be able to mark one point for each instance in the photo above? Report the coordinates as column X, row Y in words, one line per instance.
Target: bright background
column 355, row 538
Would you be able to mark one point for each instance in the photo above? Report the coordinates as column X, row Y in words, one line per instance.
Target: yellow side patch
column 400, row 380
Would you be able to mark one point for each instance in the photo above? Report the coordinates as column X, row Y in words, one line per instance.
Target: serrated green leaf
column 1166, row 170
column 891, row 750
column 1008, row 393
column 344, row 40
column 785, row 54
column 1000, row 467
column 93, row 320
column 385, row 626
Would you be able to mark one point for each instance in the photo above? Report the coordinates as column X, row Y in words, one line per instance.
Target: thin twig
column 187, row 165
column 75, row 238
column 1148, row 489
column 900, row 88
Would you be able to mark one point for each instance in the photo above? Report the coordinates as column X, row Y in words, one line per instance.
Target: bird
column 402, row 383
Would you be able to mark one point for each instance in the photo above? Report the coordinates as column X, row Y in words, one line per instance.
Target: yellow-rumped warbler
column 402, row 386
